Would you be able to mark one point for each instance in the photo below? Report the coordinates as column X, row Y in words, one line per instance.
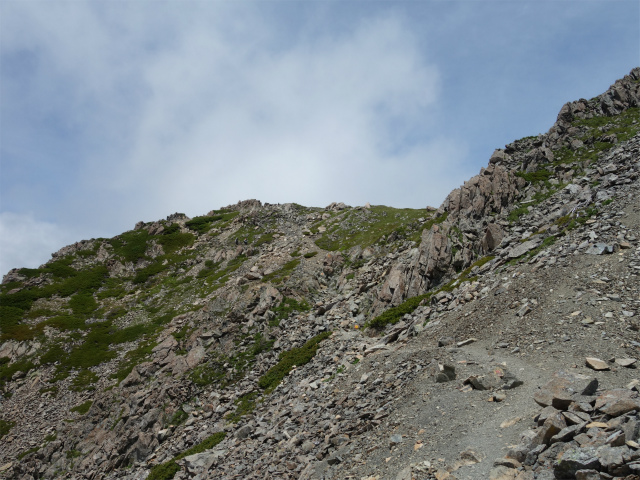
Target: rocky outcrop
column 490, row 192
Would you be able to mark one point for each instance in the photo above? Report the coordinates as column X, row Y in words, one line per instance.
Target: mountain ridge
column 223, row 321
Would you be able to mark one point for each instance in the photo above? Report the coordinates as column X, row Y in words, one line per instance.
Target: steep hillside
column 282, row 341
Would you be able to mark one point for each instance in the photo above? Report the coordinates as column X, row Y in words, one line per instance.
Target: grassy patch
column 281, row 275
column 143, row 275
column 223, row 273
column 83, row 304
column 83, row 408
column 244, row 405
column 21, row 455
column 83, row 381
column 7, row 370
column 133, row 358
column 175, row 241
column 179, row 417
column 367, row 227
column 287, row 307
column 131, row 246
column 203, row 224
column 5, row 427
column 541, row 175
column 266, row 238
column 310, row 254
column 167, row 470
column 290, row 359
column 516, row 213
column 394, row 314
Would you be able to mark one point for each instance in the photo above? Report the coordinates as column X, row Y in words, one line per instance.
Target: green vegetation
column 203, row 224
column 367, row 227
column 283, row 274
column 21, row 455
column 73, row 453
column 310, row 254
column 541, row 175
column 143, row 274
column 179, row 417
column 83, row 408
column 214, row 370
column 290, row 359
column 7, row 371
column 212, row 274
column 394, row 314
column 287, row 307
column 83, row 381
column 14, row 306
column 211, row 372
column 266, row 238
column 173, row 242
column 167, row 470
column 5, row 427
column 83, row 304
column 244, row 405
column 130, row 246
column 134, row 357
column 516, row 213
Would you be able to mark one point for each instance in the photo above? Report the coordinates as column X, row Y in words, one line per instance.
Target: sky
column 112, row 112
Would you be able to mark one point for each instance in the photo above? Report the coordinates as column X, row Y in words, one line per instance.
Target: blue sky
column 115, row 112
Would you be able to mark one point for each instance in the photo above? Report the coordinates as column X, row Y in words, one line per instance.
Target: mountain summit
column 493, row 337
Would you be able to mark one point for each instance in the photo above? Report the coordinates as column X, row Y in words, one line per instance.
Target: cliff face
column 526, row 170
column 277, row 341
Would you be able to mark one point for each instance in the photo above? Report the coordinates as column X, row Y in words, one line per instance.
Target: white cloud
column 326, row 119
column 27, row 242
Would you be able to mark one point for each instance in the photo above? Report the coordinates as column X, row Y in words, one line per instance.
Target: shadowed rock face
column 236, row 345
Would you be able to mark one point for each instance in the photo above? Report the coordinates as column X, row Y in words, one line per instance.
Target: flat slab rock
column 597, row 364
column 561, row 390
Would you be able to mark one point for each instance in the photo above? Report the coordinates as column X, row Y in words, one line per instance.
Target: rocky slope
column 280, row 341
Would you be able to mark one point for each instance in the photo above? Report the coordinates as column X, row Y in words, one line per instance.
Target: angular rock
column 563, row 384
column 576, row 459
column 597, row 364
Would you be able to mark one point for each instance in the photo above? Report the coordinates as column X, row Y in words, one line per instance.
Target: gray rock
column 576, row 459
column 599, row 249
column 244, row 432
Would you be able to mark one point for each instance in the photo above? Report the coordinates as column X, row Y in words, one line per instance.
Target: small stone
column 626, row 362
column 468, row 341
column 499, row 397
column 244, row 432
column 395, row 439
column 596, row 364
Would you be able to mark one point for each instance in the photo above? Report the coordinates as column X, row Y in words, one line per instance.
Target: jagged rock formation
column 280, row 341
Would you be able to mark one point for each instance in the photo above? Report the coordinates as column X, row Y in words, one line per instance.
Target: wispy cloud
column 26, row 241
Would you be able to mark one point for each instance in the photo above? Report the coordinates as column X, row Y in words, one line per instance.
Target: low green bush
column 280, row 275
column 143, row 274
column 394, row 314
column 287, row 360
column 175, row 241
column 167, row 470
column 5, row 427
column 83, row 408
column 244, row 405
column 83, row 304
